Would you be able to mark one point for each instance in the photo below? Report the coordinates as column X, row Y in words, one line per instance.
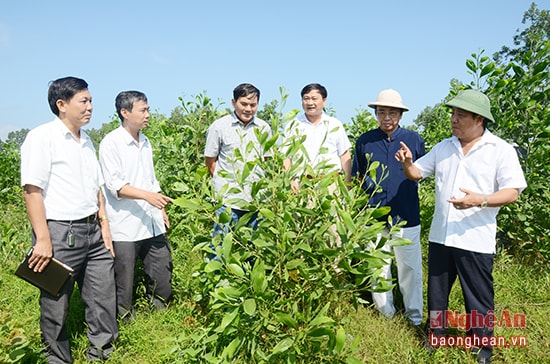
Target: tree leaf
column 187, row 203
column 286, row 319
column 259, row 283
column 283, row 345
column 236, row 269
column 470, row 64
column 249, row 306
column 229, row 350
column 340, row 340
column 320, row 320
column 227, row 319
column 213, row 266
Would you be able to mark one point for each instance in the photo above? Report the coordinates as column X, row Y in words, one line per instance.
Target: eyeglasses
column 392, row 114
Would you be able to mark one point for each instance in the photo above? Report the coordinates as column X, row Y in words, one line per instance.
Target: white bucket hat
column 390, row 98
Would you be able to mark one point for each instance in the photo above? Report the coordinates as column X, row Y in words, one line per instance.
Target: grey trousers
column 94, row 273
column 157, row 264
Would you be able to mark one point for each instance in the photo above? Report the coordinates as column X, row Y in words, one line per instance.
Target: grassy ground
column 153, row 336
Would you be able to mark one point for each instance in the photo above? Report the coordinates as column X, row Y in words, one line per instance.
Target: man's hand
column 107, row 238
column 469, row 200
column 41, row 255
column 157, row 199
column 405, row 157
column 404, row 154
column 166, row 219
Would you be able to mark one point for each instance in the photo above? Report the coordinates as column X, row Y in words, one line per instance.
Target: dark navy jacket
column 398, row 192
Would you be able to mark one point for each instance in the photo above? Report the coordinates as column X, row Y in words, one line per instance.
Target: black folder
column 51, row 279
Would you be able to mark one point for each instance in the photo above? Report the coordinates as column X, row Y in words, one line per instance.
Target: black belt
column 85, row 220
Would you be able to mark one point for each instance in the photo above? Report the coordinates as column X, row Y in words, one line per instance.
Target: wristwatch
column 483, row 203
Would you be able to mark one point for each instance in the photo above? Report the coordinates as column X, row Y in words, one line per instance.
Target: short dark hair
column 64, row 89
column 126, row 99
column 245, row 89
column 314, row 86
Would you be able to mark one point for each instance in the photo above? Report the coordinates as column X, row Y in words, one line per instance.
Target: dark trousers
column 94, row 274
column 157, row 264
column 236, row 215
column 474, row 271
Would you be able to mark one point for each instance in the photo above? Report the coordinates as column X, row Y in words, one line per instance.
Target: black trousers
column 474, row 271
column 157, row 263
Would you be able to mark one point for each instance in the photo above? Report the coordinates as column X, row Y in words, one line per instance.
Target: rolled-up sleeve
column 111, row 167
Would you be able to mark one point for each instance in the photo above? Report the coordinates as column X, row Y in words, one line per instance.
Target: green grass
column 518, row 289
column 155, row 337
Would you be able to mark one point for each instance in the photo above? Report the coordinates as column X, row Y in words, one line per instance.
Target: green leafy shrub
column 14, row 343
column 275, row 293
column 10, row 190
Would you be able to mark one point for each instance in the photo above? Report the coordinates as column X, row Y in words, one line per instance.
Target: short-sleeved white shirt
column 125, row 161
column 225, row 136
column 325, row 141
column 491, row 165
column 66, row 169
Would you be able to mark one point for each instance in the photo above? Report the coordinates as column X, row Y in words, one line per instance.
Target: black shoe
column 100, row 354
column 422, row 333
column 484, row 360
column 482, row 355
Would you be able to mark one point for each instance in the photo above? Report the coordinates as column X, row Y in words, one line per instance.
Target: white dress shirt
column 326, row 141
column 66, row 169
column 125, row 161
column 491, row 165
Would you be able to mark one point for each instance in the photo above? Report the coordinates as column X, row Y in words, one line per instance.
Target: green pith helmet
column 473, row 101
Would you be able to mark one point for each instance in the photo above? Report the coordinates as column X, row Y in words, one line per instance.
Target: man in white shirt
column 61, row 179
column 327, row 144
column 135, row 206
column 475, row 172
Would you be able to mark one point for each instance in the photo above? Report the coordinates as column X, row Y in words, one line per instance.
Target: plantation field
column 159, row 337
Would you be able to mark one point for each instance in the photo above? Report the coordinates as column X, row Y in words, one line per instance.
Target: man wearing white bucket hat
column 397, row 192
column 476, row 172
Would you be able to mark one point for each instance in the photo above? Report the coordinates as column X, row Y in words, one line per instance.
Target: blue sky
column 172, row 49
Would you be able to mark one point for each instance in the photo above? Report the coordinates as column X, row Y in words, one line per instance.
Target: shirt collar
column 129, row 139
column 486, row 138
column 396, row 133
column 236, row 120
column 66, row 132
column 393, row 135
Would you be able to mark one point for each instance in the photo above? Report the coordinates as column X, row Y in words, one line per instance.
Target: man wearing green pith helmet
column 475, row 172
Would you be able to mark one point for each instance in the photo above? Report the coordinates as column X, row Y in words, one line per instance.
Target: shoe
column 100, row 354
column 483, row 360
column 422, row 333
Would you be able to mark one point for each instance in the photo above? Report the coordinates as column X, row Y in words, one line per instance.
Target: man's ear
column 60, row 105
